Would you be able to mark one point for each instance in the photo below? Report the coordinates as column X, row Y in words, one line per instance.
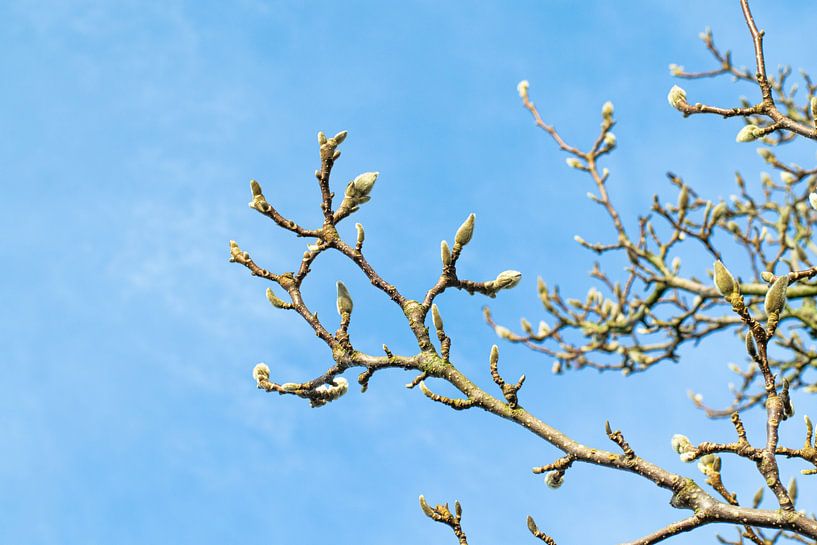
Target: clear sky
column 130, row 131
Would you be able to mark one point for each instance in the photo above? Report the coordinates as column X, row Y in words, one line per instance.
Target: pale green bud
column 751, row 348
column 436, row 318
column 321, row 138
column 255, row 187
column 361, row 234
column 681, row 443
column 718, row 211
column 362, row 185
column 747, row 134
column 260, row 372
column 767, row 276
column 710, row 463
column 724, row 281
column 676, row 97
column 776, row 296
column 522, row 88
column 274, row 300
column 340, row 137
column 465, row 232
column 607, row 109
column 344, row 301
column 554, row 479
column 445, row 254
column 507, row 279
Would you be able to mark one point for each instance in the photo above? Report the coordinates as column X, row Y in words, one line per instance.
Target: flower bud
column 718, row 211
column 812, row 199
column 758, row 497
column 766, row 154
column 526, row 326
column 494, row 357
column 813, row 108
column 445, row 254
column 436, row 318
column 507, row 279
column 503, row 332
column 361, row 234
column 610, row 139
column 260, row 372
column 465, row 232
column 607, row 110
column 429, row 512
column 788, row 177
column 776, row 296
column 274, row 300
column 751, row 348
column 572, row 162
column 676, row 97
column 522, row 88
column 362, row 185
column 709, row 463
column 767, row 276
column 321, row 138
column 340, row 137
column 683, row 198
column 747, row 134
column 344, row 301
column 681, row 443
column 724, row 281
column 554, row 479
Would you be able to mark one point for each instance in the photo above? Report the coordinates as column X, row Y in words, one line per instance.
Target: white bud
column 507, row 279
column 607, row 109
column 260, row 372
column 572, row 162
column 788, row 177
column 747, row 134
column 680, row 443
column 436, row 318
column 554, row 479
column 445, row 254
column 522, row 88
column 503, row 332
column 610, row 139
column 676, row 97
column 812, row 199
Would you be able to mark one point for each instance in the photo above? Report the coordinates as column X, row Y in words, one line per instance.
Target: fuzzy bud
column 813, row 108
column 776, row 296
column 275, row 301
column 724, row 281
column 344, row 301
column 507, row 280
column 676, row 97
column 445, row 254
column 260, row 372
column 503, row 332
column 709, row 463
column 522, row 88
column 610, row 139
column 362, row 185
column 429, row 512
column 788, row 177
column 321, row 138
column 812, row 199
column 747, row 134
column 572, row 162
column 681, row 443
column 554, row 479
column 436, row 318
column 767, row 276
column 718, row 211
column 340, row 137
column 465, row 232
column 751, row 348
column 765, row 153
column 607, row 110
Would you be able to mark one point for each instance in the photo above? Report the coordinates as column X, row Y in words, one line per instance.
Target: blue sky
column 131, row 129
